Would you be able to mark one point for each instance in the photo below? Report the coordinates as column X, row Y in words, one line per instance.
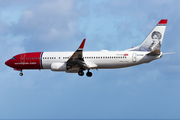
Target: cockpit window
column 13, row 58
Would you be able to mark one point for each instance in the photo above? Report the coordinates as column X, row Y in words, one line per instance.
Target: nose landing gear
column 21, row 74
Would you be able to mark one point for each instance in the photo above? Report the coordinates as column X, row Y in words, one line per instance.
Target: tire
column 89, row 74
column 81, row 73
column 21, row 74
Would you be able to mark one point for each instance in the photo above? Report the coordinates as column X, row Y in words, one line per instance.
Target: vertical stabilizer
column 154, row 39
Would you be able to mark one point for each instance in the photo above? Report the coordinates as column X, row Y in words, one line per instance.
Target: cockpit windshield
column 13, row 58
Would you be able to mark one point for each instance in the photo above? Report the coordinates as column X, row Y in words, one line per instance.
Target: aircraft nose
column 7, row 63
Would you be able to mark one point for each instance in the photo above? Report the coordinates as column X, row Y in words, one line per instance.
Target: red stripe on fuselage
column 26, row 61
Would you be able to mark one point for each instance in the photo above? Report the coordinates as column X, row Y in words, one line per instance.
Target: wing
column 77, row 57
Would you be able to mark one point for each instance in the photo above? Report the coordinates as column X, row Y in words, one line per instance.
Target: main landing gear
column 21, row 74
column 81, row 73
column 89, row 74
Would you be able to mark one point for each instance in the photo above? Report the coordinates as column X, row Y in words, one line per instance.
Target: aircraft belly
column 46, row 66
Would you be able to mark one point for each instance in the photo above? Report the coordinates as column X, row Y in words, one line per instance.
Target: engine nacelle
column 58, row 66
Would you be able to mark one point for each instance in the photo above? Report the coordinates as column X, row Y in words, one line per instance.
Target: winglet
column 82, row 44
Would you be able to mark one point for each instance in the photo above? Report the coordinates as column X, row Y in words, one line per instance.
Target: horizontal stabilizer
column 169, row 53
column 155, row 52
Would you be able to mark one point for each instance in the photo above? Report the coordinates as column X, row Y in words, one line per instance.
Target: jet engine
column 58, row 66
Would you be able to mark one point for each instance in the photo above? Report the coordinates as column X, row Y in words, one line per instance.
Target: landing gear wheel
column 21, row 74
column 89, row 74
column 80, row 73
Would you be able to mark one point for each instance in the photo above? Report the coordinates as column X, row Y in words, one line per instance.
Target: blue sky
column 148, row 91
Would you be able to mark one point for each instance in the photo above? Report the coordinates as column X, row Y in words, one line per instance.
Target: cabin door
column 134, row 57
column 22, row 58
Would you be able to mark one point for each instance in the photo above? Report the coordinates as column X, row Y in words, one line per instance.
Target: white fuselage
column 102, row 59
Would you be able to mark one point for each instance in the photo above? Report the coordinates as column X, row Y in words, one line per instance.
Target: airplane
column 79, row 61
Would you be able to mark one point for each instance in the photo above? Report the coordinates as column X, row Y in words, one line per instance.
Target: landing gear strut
column 21, row 74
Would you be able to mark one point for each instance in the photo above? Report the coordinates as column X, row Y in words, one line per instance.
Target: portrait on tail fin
column 156, row 43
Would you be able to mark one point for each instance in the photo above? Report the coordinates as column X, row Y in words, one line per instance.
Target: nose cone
column 7, row 62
